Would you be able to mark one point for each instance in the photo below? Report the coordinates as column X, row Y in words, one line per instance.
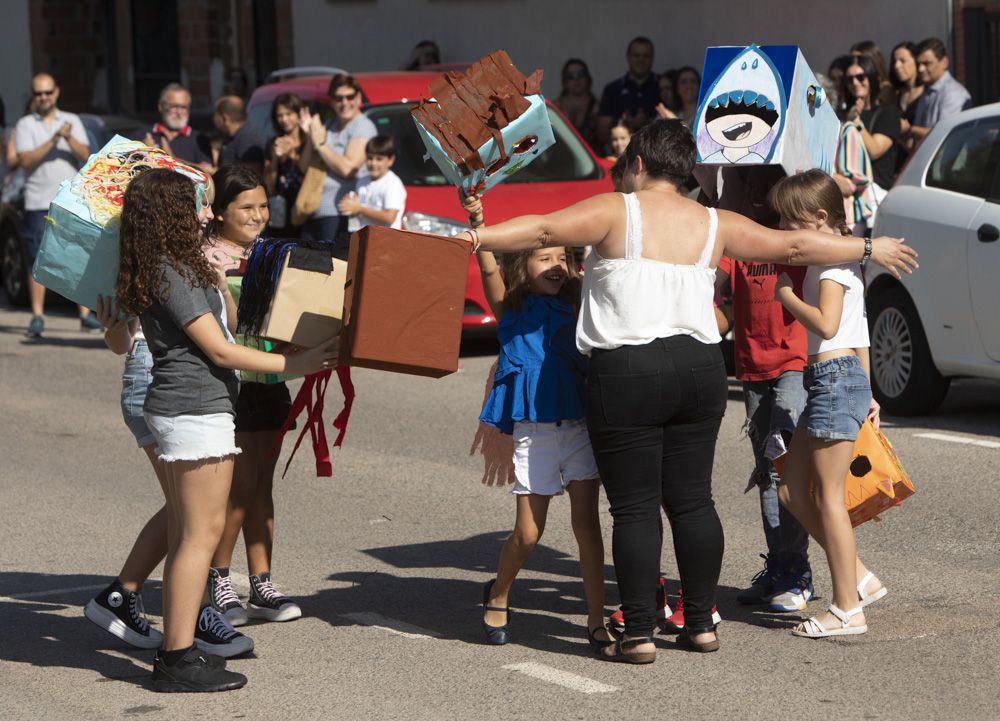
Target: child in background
column 538, row 396
column 621, row 134
column 832, row 309
column 381, row 197
column 185, row 310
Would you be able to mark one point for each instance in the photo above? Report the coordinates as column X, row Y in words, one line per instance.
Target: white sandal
column 867, row 599
column 811, row 628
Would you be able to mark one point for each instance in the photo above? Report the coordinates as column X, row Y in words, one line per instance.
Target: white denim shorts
column 547, row 456
column 193, row 438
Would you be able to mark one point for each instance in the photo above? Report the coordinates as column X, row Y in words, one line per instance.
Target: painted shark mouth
column 738, row 131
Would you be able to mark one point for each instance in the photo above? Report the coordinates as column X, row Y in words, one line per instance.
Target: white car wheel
column 892, row 352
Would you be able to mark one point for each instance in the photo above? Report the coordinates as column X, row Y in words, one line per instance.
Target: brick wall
column 70, row 40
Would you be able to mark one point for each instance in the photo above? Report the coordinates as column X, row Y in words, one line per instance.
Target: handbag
column 310, row 192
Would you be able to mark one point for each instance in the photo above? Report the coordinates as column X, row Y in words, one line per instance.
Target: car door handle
column 988, row 233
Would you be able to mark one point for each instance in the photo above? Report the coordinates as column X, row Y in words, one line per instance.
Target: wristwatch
column 868, row 252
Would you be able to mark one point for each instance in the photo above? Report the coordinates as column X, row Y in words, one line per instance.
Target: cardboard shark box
column 404, row 301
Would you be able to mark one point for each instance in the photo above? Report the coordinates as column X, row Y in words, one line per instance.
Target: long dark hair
column 159, row 224
column 868, row 67
column 565, row 68
column 291, row 101
column 230, row 181
column 911, row 48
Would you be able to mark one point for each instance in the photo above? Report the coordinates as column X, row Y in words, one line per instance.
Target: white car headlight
column 434, row 224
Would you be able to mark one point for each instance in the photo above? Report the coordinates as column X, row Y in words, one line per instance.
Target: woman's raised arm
column 743, row 239
column 585, row 223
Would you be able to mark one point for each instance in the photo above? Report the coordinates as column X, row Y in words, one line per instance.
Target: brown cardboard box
column 404, row 301
column 308, row 302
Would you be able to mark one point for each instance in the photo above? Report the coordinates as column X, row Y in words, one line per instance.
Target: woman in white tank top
column 656, row 386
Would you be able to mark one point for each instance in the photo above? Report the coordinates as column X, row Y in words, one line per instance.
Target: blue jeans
column 773, row 406
column 32, row 230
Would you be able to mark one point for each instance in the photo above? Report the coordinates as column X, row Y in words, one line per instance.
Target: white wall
column 15, row 58
column 378, row 34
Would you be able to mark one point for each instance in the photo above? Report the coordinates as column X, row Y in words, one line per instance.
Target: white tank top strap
column 713, row 226
column 633, row 227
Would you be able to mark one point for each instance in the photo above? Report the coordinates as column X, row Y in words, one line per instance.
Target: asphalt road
column 388, row 557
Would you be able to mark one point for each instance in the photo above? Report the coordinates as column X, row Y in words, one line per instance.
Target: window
column 566, row 160
column 967, row 160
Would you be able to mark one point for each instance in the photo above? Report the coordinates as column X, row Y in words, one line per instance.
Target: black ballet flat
column 495, row 635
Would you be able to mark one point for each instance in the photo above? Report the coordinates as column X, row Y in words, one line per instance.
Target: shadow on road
column 36, row 635
column 972, row 406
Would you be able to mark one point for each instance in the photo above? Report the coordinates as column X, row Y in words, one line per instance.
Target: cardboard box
column 308, row 304
column 484, row 124
column 764, row 106
column 404, row 301
column 78, row 257
column 876, row 480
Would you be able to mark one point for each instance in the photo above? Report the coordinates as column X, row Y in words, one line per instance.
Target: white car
column 943, row 321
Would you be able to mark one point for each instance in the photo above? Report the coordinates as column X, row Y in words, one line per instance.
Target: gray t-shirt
column 336, row 186
column 185, row 382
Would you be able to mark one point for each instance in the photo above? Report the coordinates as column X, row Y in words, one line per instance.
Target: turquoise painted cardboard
column 78, row 257
column 764, row 106
column 533, row 123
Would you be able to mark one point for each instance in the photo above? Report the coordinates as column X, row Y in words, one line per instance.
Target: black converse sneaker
column 195, row 672
column 268, row 603
column 214, row 634
column 119, row 612
column 224, row 598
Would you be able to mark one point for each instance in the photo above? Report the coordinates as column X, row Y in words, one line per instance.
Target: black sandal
column 620, row 656
column 495, row 635
column 685, row 639
column 599, row 643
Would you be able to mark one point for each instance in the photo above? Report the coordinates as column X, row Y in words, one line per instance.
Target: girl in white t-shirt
column 839, row 400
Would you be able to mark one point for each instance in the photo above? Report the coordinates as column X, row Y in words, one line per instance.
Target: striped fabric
column 854, row 162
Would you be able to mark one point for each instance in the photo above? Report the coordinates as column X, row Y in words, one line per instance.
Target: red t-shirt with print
column 767, row 340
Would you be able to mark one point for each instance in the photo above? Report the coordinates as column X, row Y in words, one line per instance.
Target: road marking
column 401, row 628
column 958, row 439
column 561, row 678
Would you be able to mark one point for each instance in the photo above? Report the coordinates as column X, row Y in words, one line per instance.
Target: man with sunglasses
column 51, row 145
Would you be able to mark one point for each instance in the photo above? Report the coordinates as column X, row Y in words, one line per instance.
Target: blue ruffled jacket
column 541, row 376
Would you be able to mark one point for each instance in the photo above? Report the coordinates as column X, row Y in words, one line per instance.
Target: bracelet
column 868, row 252
column 474, row 236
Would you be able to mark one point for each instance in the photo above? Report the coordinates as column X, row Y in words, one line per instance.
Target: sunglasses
column 39, row 93
column 862, row 78
column 345, row 98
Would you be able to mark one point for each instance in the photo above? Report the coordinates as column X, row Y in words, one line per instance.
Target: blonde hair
column 801, row 196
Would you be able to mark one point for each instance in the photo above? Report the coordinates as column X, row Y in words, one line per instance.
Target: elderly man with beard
column 172, row 132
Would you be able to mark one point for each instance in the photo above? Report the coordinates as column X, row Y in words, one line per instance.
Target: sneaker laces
column 137, row 612
column 267, row 591
column 222, row 591
column 211, row 621
column 765, row 572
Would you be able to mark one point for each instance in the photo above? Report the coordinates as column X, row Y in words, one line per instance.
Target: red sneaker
column 617, row 622
column 675, row 622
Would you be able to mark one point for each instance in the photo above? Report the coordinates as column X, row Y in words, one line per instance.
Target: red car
column 567, row 172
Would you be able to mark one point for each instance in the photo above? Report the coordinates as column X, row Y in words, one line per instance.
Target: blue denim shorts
column 839, row 396
column 135, row 380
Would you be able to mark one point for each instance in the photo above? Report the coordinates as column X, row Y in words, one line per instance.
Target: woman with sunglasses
column 576, row 101
column 879, row 124
column 340, row 145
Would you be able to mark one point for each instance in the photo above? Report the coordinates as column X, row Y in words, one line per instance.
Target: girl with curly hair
column 187, row 315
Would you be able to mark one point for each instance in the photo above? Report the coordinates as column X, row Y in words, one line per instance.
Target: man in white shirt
column 51, row 145
column 381, row 196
